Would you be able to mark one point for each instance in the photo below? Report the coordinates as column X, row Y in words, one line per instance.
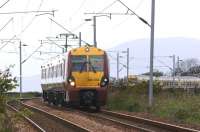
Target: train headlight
column 104, row 81
column 72, row 83
column 87, row 49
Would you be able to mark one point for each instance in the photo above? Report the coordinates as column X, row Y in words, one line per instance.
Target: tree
column 185, row 65
column 7, row 83
column 156, row 73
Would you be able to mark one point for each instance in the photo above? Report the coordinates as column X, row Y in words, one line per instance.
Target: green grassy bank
column 176, row 105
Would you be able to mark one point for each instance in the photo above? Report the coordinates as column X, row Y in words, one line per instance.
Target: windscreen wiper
column 93, row 69
column 82, row 66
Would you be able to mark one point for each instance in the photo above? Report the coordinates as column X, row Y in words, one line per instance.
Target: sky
column 173, row 18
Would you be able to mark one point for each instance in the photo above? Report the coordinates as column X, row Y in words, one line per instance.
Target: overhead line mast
column 151, row 40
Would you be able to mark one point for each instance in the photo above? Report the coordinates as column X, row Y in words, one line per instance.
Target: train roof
column 54, row 60
column 87, row 50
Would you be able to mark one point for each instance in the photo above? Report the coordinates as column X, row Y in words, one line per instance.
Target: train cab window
column 61, row 69
column 96, row 63
column 45, row 73
column 42, row 73
column 79, row 63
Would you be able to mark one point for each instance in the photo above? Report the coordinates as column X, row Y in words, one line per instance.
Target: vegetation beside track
column 179, row 106
column 8, row 83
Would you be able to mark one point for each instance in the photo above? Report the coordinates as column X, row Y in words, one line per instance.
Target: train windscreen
column 96, row 63
column 79, row 63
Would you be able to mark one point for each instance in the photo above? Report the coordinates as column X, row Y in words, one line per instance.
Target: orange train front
column 80, row 77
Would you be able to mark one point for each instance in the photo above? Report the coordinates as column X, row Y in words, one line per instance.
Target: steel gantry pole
column 151, row 53
column 94, row 26
column 127, row 66
column 79, row 39
column 20, row 68
column 117, row 65
column 173, row 72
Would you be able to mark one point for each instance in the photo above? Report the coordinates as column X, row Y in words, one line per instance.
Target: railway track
column 148, row 122
column 127, row 125
column 35, row 125
column 48, row 122
column 128, row 122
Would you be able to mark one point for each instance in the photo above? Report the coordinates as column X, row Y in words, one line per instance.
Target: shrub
column 7, row 83
column 181, row 114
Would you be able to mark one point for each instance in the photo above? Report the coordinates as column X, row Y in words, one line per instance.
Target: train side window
column 58, row 69
column 42, row 73
column 48, row 72
column 61, row 69
column 52, row 72
column 45, row 73
column 55, row 71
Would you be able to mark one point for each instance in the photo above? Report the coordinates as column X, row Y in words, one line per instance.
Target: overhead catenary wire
column 67, row 30
column 32, row 54
column 83, row 23
column 141, row 19
column 26, row 27
column 24, row 12
column 4, row 3
column 120, row 23
column 78, row 10
column 108, row 6
column 11, row 19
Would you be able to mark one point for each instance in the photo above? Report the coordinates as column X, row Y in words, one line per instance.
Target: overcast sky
column 174, row 18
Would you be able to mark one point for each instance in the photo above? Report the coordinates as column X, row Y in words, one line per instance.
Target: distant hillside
column 140, row 50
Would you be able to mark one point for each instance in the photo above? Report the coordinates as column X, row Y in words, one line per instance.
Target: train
column 79, row 77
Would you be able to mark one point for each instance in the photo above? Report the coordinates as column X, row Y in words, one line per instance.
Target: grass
column 6, row 122
column 16, row 95
column 175, row 105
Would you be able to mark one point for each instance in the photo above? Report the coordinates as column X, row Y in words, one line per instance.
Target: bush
column 7, row 83
column 134, row 107
column 181, row 114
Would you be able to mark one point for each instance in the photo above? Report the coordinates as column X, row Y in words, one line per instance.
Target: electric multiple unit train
column 79, row 77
